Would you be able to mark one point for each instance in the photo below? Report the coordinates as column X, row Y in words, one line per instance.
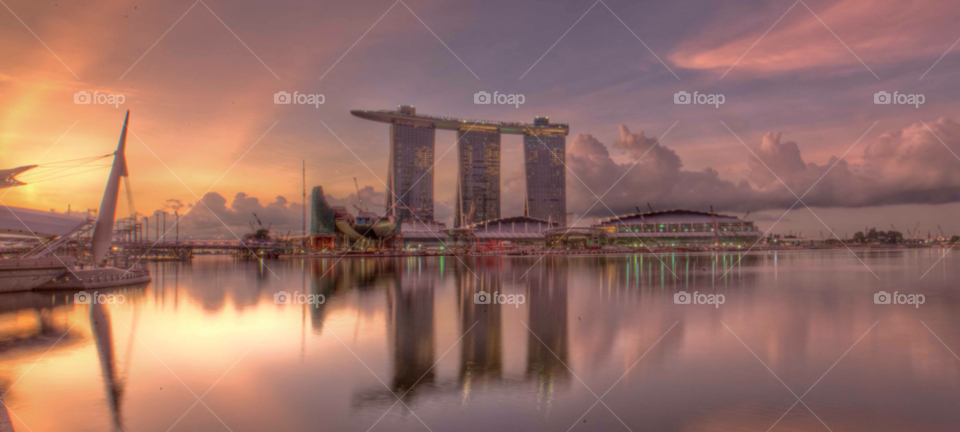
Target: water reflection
column 420, row 335
column 481, row 342
column 410, row 329
column 100, row 324
column 547, row 344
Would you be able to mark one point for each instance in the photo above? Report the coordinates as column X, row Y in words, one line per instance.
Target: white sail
column 103, row 231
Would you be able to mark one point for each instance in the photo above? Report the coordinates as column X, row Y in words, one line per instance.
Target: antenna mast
column 304, row 198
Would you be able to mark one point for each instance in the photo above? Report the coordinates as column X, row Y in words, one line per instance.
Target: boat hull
column 27, row 274
column 97, row 278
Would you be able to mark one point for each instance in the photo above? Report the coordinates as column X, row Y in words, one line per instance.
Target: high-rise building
column 322, row 216
column 478, row 182
column 477, row 191
column 410, row 174
column 544, row 157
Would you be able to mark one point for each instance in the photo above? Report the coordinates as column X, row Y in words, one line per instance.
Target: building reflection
column 481, row 362
column 410, row 330
column 323, row 281
column 547, row 343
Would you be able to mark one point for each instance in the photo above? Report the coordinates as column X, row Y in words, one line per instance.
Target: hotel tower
column 410, row 182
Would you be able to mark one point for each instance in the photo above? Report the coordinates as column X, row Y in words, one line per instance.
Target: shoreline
column 602, row 251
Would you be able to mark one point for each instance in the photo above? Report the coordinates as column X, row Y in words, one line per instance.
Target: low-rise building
column 678, row 228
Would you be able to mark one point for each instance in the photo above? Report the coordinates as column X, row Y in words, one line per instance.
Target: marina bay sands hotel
column 412, row 153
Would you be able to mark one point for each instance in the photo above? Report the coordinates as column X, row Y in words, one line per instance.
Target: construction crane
column 258, row 234
column 916, row 230
column 745, row 216
column 259, row 222
column 942, row 235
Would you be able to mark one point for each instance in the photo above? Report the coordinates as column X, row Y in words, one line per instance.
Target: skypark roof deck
column 407, row 114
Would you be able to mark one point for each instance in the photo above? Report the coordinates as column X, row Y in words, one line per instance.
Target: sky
column 798, row 118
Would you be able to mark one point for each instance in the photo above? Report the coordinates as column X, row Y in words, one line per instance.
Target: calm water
column 588, row 327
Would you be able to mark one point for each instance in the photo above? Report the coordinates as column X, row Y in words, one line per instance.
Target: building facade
column 678, row 228
column 410, row 173
column 322, row 215
column 478, row 182
column 410, row 178
column 544, row 158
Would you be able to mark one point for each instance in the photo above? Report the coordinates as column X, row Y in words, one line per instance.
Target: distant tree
column 894, row 237
column 873, row 235
column 859, row 237
column 954, row 239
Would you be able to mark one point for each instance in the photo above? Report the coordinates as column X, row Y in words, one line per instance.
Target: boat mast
column 103, row 230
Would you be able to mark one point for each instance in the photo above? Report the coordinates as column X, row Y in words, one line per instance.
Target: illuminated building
column 410, row 178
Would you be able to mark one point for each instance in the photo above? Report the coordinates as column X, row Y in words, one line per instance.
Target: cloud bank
column 906, row 166
column 211, row 216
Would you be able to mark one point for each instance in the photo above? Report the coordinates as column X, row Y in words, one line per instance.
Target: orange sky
column 199, row 80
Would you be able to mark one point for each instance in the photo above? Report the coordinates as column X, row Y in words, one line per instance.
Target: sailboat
column 97, row 274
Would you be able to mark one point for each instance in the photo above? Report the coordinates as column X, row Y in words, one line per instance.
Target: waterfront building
column 410, row 172
column 410, row 178
column 478, row 179
column 517, row 231
column 424, row 235
column 677, row 228
column 322, row 215
column 544, row 159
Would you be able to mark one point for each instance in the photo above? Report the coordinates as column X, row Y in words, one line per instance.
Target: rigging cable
column 65, row 175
